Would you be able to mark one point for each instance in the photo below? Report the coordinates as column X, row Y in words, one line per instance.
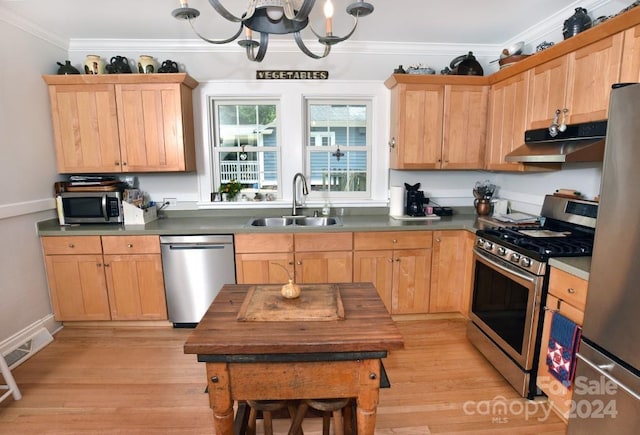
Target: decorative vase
column 576, row 23
column 483, row 206
column 147, row 65
column 67, row 68
column 94, row 64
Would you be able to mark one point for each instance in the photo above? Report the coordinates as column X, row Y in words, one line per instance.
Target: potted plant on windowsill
column 232, row 188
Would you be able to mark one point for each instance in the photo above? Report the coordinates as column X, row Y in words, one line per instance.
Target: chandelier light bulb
column 328, row 9
column 328, row 12
column 275, row 13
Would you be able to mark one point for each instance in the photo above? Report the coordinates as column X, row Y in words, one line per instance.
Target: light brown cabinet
column 507, row 121
column 579, row 81
column 323, row 258
column 568, row 296
column 123, row 122
column 398, row 263
column 448, row 271
column 264, row 258
column 304, row 257
column 435, row 125
column 630, row 69
column 105, row 278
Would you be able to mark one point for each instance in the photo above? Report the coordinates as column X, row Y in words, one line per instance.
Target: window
column 246, row 146
column 261, row 133
column 338, row 149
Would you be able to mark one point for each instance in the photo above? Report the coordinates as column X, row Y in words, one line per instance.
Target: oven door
column 505, row 305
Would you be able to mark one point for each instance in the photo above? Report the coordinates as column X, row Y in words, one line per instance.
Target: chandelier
column 276, row 17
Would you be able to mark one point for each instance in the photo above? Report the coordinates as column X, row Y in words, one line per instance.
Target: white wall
column 27, row 174
column 525, row 192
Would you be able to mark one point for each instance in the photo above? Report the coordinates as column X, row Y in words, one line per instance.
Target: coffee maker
column 415, row 200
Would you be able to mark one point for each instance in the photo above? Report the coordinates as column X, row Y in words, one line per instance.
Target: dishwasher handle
column 184, row 246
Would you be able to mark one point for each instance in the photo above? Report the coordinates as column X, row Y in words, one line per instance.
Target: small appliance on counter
column 415, row 200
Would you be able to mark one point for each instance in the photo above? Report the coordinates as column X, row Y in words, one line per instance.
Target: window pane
column 337, row 148
column 244, row 131
column 349, row 174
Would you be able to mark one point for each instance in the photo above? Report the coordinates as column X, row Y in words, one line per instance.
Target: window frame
column 333, row 196
column 217, row 150
column 291, row 95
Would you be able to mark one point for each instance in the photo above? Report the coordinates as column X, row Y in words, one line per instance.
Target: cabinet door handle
column 129, row 245
column 106, row 265
column 124, row 163
column 437, row 239
column 298, row 263
column 394, row 241
column 397, row 260
column 71, row 245
column 290, row 263
column 571, row 290
column 98, row 264
column 392, row 142
column 390, row 260
column 116, row 163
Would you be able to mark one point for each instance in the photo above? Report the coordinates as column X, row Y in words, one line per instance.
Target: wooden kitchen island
column 294, row 359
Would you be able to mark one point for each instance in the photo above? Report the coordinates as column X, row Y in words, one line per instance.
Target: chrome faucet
column 305, row 191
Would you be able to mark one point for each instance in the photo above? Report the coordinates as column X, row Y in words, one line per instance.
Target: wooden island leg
column 367, row 400
column 220, row 397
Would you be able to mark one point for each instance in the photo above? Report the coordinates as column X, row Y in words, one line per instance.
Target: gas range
column 567, row 231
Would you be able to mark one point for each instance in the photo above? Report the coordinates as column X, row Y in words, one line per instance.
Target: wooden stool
column 267, row 407
column 11, row 385
column 329, row 408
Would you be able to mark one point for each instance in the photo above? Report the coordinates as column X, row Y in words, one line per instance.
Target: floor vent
column 28, row 348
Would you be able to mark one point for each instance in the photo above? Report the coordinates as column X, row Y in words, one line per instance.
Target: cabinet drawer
column 323, row 242
column 261, row 243
column 370, row 241
column 568, row 287
column 71, row 245
column 131, row 244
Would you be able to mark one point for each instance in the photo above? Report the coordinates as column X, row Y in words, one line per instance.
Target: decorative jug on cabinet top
column 147, row 65
column 576, row 23
column 94, row 65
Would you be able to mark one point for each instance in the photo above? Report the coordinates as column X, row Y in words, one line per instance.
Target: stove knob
column 480, row 242
column 526, row 262
column 488, row 246
column 502, row 251
column 515, row 257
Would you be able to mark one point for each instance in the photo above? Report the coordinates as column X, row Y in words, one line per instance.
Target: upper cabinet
column 579, row 81
column 123, row 122
column 437, row 122
column 630, row 70
column 507, row 121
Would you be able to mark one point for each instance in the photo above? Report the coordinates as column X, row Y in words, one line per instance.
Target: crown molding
column 278, row 46
column 33, row 29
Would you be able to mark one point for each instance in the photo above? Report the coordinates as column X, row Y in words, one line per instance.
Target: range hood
column 578, row 143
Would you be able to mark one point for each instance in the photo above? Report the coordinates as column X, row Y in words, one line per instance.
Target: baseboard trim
column 32, row 339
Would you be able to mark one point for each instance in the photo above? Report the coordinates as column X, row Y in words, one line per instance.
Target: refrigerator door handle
column 603, row 371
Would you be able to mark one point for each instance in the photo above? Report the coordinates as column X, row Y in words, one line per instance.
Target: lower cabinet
column 303, row 257
column 568, row 296
column 264, row 258
column 398, row 263
column 448, row 271
column 105, row 278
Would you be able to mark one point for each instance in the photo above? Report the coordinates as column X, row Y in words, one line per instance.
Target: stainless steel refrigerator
column 606, row 397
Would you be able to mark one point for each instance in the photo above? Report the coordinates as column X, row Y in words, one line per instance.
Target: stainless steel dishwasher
column 195, row 269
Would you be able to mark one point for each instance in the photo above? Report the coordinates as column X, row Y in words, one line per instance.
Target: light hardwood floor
column 137, row 381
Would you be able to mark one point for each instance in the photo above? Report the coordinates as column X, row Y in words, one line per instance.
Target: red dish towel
column 564, row 341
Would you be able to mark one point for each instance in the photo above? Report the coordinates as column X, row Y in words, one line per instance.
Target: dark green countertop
column 207, row 224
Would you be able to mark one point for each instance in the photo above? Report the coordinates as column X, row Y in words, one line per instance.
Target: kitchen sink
column 286, row 221
column 317, row 221
column 271, row 222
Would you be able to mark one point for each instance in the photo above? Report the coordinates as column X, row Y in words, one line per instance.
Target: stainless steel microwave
column 92, row 207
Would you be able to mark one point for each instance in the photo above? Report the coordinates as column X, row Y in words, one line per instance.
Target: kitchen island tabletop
column 288, row 360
